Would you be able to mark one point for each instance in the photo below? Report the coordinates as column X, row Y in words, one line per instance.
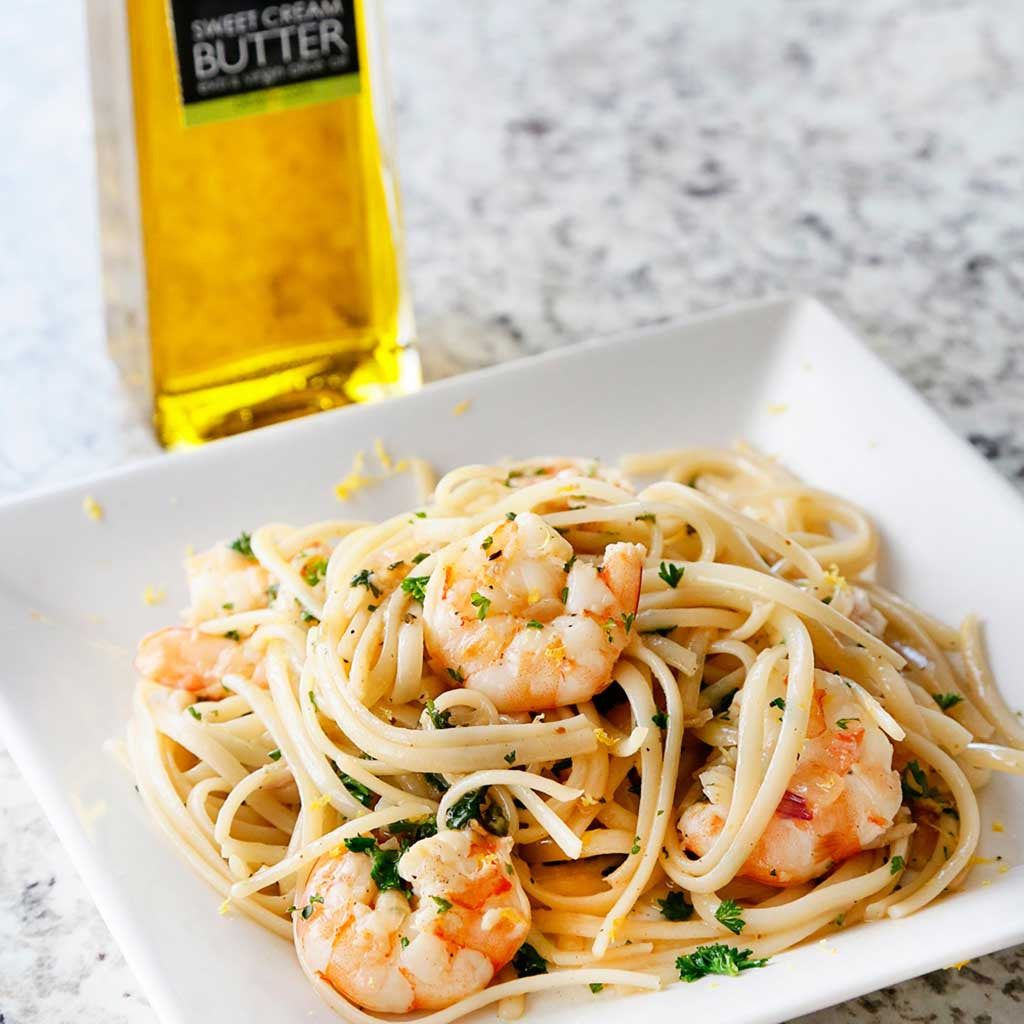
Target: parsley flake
column 415, row 586
column 315, row 572
column 671, row 574
column 730, row 914
column 481, row 603
column 896, row 865
column 528, row 962
column 716, row 959
column 660, row 719
column 242, row 544
column 362, row 579
column 674, row 907
column 361, row 844
column 439, row 719
column 946, row 700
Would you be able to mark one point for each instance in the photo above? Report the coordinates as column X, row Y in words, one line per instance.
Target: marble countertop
column 570, row 170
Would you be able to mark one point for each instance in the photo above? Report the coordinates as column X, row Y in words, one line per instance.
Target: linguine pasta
column 682, row 820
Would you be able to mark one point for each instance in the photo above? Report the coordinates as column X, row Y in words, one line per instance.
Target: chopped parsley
column 415, row 586
column 361, row 844
column 528, row 962
column 946, row 700
column 660, row 719
column 228, row 606
column 233, row 634
column 674, row 907
column 647, row 517
column 916, row 787
column 627, row 620
column 896, row 865
column 716, row 959
column 472, row 807
column 596, row 986
column 510, row 757
column 534, row 624
column 315, row 572
column 568, row 565
column 357, row 789
column 194, row 713
column 242, row 544
column 730, row 914
column 420, row 515
column 671, row 574
column 481, row 603
column 395, row 565
column 385, row 870
column 272, row 591
column 307, row 616
column 635, row 848
column 275, row 754
column 420, row 557
column 457, row 675
column 437, row 781
column 844, row 722
column 404, row 941
column 411, row 832
column 510, row 516
column 307, row 910
column 513, row 474
column 664, row 631
column 439, row 719
column 779, row 702
column 565, row 594
column 312, row 700
column 362, row 579
column 443, row 905
column 486, row 542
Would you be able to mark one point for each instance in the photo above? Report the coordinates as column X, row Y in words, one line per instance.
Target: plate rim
column 785, row 308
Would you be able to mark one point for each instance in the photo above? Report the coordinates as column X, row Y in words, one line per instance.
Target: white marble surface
column 570, row 169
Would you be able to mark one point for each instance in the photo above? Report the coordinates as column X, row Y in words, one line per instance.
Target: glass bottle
column 249, row 212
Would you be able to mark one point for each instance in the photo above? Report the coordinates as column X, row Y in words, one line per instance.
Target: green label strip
column 271, row 101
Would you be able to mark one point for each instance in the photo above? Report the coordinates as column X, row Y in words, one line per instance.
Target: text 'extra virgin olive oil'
column 251, row 235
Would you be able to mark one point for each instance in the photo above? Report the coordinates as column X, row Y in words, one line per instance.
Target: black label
column 226, row 48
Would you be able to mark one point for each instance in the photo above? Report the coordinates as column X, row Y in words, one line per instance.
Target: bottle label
column 236, row 60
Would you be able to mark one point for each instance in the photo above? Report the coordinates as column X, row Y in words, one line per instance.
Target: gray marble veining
column 568, row 170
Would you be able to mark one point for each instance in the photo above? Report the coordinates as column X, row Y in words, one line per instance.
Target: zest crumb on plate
column 92, row 508
column 462, row 407
column 153, row 595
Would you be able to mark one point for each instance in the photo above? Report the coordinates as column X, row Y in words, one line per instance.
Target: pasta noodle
column 756, row 744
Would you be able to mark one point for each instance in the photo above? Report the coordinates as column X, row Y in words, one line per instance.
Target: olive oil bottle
column 249, row 212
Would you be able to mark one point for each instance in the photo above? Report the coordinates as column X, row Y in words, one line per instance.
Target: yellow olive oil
column 267, row 213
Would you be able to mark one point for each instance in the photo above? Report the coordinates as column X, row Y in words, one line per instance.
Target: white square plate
column 784, row 374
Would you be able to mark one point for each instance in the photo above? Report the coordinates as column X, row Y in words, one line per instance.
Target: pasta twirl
column 565, row 725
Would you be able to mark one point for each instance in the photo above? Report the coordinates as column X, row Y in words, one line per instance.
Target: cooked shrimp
column 463, row 921
column 185, row 659
column 842, row 797
column 518, row 617
column 222, row 580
